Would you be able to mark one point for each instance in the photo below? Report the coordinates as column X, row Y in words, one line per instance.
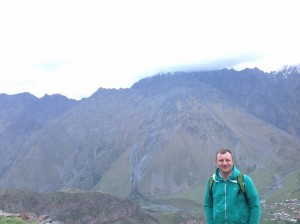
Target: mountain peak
column 287, row 70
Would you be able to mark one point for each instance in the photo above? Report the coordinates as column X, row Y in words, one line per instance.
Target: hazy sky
column 74, row 47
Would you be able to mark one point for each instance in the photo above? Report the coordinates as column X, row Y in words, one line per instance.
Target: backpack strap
column 240, row 180
column 211, row 182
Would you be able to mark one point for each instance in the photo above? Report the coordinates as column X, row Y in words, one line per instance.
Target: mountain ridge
column 158, row 138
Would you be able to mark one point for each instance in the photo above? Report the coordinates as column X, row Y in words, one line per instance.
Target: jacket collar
column 235, row 172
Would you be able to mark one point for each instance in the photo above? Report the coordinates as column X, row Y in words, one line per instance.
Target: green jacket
column 228, row 205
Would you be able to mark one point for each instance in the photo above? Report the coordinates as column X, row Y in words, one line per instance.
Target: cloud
column 216, row 64
column 76, row 47
column 51, row 65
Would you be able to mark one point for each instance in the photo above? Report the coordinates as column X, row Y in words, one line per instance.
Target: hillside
column 75, row 207
column 156, row 140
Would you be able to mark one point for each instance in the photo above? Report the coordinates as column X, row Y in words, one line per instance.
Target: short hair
column 223, row 151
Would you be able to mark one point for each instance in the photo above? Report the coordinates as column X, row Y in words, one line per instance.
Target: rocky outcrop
column 72, row 207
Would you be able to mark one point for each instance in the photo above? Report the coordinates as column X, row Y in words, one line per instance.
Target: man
column 224, row 202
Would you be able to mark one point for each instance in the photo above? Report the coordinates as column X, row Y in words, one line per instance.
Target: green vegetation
column 170, row 218
column 118, row 185
column 195, row 193
column 284, row 201
column 13, row 220
column 290, row 188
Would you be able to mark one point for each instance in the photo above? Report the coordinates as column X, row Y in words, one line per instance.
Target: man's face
column 225, row 162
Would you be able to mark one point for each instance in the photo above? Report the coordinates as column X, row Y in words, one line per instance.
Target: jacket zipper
column 225, row 202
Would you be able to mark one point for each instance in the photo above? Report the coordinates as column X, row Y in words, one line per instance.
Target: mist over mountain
column 156, row 139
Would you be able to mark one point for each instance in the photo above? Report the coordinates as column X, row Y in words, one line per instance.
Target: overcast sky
column 74, row 47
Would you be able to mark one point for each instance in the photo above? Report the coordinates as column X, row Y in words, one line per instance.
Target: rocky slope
column 75, row 207
column 158, row 138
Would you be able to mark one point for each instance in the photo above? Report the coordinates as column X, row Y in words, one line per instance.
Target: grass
column 290, row 188
column 13, row 220
column 175, row 217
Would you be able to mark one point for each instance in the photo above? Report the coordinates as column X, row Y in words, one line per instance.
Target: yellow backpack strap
column 211, row 182
column 240, row 180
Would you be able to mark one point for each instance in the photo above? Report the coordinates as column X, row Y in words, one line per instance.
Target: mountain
column 157, row 139
column 21, row 115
